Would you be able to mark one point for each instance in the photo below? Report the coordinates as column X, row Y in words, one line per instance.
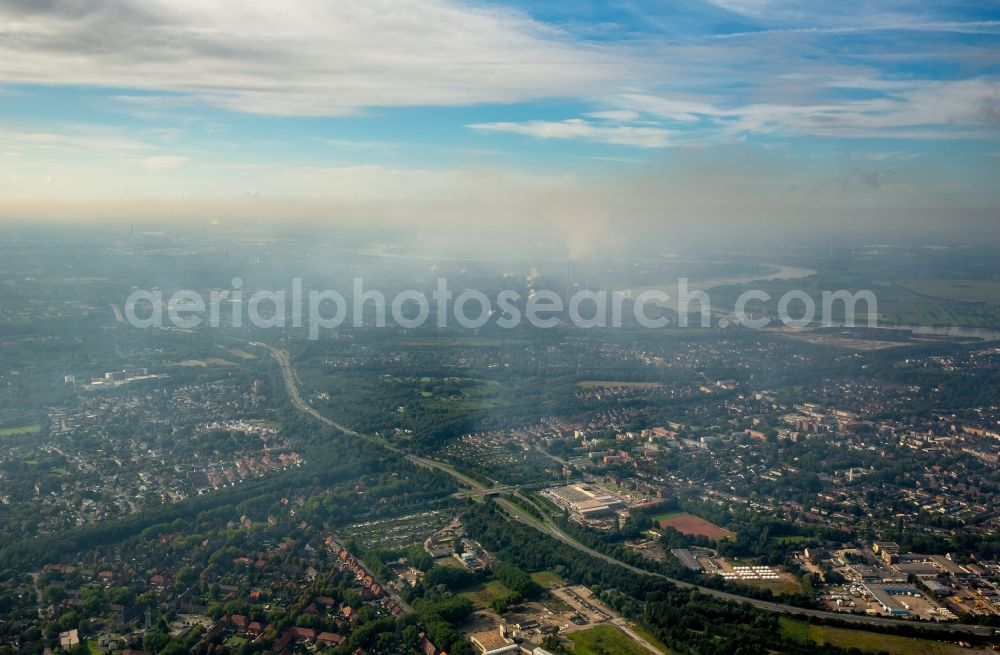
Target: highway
column 292, row 388
column 547, row 526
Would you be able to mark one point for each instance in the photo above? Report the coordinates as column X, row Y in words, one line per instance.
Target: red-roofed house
column 305, row 634
column 331, row 638
column 239, row 622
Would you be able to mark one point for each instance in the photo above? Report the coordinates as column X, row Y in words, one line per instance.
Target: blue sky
column 565, row 112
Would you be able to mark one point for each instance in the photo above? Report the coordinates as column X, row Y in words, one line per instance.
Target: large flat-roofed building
column 585, row 500
column 491, row 642
column 590, row 508
column 937, row 588
column 948, row 566
column 885, row 596
column 686, row 558
column 918, row 568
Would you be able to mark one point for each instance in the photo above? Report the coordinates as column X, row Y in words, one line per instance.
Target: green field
column 483, row 594
column 546, row 579
column 604, row 640
column 987, row 291
column 666, row 516
column 450, row 562
column 804, row 632
column 464, row 342
column 931, row 302
column 590, row 384
column 648, row 636
column 23, row 429
column 242, row 354
column 778, row 586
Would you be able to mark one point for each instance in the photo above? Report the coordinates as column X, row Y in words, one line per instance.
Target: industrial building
column 937, row 588
column 584, row 500
column 492, row 642
column 885, row 596
column 686, row 558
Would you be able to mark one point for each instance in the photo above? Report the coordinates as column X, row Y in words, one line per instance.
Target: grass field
column 970, row 303
column 546, row 579
column 648, row 636
column 931, row 302
column 450, row 562
column 804, row 632
column 483, row 594
column 604, row 640
column 777, row 586
column 987, row 291
column 23, row 429
column 610, row 384
column 463, row 342
column 204, row 363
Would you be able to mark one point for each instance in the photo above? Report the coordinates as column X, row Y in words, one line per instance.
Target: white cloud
column 929, row 110
column 86, row 138
column 948, row 107
column 902, row 155
column 755, row 8
column 640, row 137
column 672, row 109
column 970, row 27
column 617, row 115
column 301, row 57
column 157, row 163
column 304, row 57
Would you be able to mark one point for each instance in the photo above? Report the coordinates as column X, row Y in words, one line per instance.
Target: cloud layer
column 575, row 128
column 597, row 113
column 302, row 58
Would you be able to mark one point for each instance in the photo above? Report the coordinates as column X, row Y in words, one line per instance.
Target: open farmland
column 804, row 632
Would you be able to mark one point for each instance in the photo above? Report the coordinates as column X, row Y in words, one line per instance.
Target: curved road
column 292, row 387
column 549, row 527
